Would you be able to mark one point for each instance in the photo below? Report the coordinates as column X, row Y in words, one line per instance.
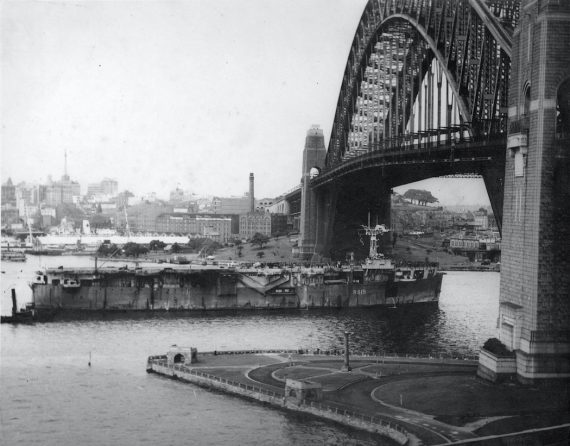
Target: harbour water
column 50, row 395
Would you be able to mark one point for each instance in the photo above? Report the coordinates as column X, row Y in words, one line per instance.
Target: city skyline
column 209, row 94
column 469, row 195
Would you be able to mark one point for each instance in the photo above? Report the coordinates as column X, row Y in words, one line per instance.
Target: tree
column 69, row 210
column 155, row 245
column 234, row 241
column 98, row 221
column 210, row 247
column 260, row 254
column 175, row 248
column 106, row 249
column 259, row 239
column 134, row 249
column 422, row 197
column 496, row 347
column 200, row 243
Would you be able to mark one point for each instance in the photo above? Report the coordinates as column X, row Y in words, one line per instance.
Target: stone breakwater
column 277, row 398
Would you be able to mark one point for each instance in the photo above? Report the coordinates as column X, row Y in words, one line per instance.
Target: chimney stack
column 251, row 194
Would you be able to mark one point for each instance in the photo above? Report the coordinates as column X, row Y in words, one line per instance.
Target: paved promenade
column 436, row 401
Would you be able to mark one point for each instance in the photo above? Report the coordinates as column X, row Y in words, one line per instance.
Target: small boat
column 45, row 251
column 13, row 256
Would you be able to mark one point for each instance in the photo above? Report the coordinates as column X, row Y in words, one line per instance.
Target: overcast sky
column 160, row 94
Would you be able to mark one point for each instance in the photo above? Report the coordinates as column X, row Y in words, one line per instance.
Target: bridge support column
column 314, row 155
column 494, row 178
column 359, row 196
column 326, row 213
column 534, row 307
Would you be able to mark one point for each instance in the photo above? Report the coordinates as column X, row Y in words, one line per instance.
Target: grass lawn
column 298, row 372
column 234, row 360
column 235, row 374
column 407, row 249
column 524, row 422
column 403, row 368
column 334, row 364
column 335, row 381
column 274, row 251
column 469, row 396
column 411, row 249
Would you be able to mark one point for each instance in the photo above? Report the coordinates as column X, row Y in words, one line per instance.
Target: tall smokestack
column 14, row 302
column 251, row 194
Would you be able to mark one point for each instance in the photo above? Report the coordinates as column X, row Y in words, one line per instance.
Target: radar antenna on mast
column 373, row 233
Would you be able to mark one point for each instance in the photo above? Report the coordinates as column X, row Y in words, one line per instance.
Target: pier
column 411, row 400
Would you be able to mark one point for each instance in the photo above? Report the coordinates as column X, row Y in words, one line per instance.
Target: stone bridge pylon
column 534, row 313
column 442, row 87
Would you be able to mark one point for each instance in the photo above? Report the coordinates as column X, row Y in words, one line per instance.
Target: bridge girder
column 471, row 41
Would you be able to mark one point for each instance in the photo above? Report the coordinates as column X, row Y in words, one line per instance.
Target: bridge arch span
column 471, row 41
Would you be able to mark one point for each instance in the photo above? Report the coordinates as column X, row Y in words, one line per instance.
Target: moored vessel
column 378, row 281
column 13, row 256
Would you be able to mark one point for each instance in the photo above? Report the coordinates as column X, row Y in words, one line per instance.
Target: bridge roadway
column 447, row 157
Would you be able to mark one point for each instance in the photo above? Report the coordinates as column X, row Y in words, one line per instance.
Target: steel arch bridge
column 391, row 55
column 424, row 93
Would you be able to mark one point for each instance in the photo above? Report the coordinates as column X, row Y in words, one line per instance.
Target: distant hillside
column 414, row 207
column 408, row 249
column 276, row 250
column 467, row 207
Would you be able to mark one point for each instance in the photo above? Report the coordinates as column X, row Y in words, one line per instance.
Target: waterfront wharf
column 412, row 400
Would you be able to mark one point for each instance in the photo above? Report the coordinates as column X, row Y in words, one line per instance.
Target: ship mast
column 127, row 223
column 373, row 233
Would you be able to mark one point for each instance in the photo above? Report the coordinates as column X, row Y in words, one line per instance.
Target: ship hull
column 207, row 294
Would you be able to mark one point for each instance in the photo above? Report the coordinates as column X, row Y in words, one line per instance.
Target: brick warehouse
column 534, row 312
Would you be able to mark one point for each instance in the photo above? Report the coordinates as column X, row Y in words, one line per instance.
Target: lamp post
column 346, row 366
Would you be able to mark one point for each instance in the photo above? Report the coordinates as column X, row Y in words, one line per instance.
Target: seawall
column 277, row 399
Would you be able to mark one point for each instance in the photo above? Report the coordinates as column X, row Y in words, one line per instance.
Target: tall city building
column 63, row 191
column 254, row 222
column 9, row 214
column 8, row 192
column 108, row 187
column 231, row 205
column 141, row 217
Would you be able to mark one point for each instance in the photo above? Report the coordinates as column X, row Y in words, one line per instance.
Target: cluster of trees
column 156, row 245
column 259, row 239
column 108, row 250
column 421, row 197
column 131, row 249
column 205, row 246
